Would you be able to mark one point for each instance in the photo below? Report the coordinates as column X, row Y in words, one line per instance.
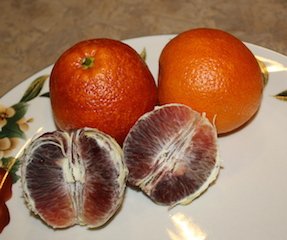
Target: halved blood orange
column 172, row 154
column 74, row 178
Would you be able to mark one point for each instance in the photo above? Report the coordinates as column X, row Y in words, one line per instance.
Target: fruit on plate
column 213, row 72
column 171, row 153
column 101, row 83
column 74, row 178
column 5, row 185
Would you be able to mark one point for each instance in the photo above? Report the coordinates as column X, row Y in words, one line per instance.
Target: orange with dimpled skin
column 214, row 72
column 101, row 83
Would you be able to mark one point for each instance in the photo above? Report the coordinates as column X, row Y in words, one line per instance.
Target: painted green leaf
column 143, row 54
column 11, row 129
column 34, row 89
column 282, row 96
column 20, row 111
column 6, row 161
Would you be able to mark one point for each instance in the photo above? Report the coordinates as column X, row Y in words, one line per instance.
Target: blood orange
column 76, row 178
column 101, row 83
column 171, row 153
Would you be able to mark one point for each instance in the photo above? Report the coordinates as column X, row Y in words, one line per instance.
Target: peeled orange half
column 74, row 178
column 171, row 153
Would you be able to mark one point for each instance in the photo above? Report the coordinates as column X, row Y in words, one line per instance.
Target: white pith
column 166, row 158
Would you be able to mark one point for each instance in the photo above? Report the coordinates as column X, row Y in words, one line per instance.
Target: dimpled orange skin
column 110, row 94
column 213, row 72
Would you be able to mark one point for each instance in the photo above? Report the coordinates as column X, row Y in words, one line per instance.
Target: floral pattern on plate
column 14, row 124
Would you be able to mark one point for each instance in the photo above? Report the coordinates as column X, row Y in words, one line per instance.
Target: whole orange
column 101, row 83
column 213, row 72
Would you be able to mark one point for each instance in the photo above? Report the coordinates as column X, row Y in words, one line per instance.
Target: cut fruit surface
column 75, row 178
column 171, row 153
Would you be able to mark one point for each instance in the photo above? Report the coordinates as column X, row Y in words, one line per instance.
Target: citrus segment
column 43, row 180
column 105, row 176
column 171, row 153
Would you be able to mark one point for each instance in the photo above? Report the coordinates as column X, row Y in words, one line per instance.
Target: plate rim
column 128, row 40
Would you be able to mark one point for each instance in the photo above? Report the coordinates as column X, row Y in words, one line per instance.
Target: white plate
column 248, row 201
